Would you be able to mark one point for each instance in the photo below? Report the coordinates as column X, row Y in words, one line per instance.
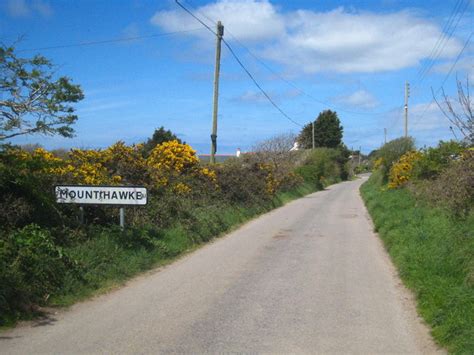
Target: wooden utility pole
column 360, row 152
column 385, row 135
column 219, row 34
column 313, row 135
column 407, row 95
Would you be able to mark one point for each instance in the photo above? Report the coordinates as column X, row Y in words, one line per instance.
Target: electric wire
column 279, row 76
column 258, row 85
column 195, row 17
column 444, row 42
column 441, row 37
column 234, row 55
column 445, row 78
column 114, row 40
column 300, row 90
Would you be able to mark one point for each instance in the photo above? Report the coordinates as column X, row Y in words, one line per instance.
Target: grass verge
column 434, row 254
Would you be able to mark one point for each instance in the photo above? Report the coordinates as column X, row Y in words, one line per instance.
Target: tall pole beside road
column 219, row 34
column 407, row 95
column 313, row 135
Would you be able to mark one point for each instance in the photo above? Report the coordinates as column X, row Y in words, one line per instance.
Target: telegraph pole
column 407, row 95
column 385, row 135
column 360, row 152
column 219, row 34
column 313, row 134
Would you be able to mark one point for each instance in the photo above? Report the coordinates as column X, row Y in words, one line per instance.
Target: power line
column 441, row 36
column 298, row 88
column 258, row 85
column 444, row 42
column 241, row 65
column 195, row 17
column 445, row 78
column 114, row 40
column 261, row 62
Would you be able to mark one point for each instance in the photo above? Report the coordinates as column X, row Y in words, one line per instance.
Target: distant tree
column 327, row 131
column 159, row 136
column 275, row 150
column 31, row 100
column 281, row 143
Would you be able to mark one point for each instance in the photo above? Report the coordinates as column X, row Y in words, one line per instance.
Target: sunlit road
column 310, row 277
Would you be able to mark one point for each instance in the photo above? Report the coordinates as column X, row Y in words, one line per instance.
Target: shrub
column 322, row 167
column 401, row 171
column 454, row 188
column 242, row 181
column 26, row 182
column 390, row 152
column 31, row 268
column 435, row 160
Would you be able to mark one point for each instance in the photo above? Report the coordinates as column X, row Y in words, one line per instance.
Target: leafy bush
column 242, row 181
column 322, row 167
column 454, row 187
column 31, row 268
column 391, row 152
column 26, row 182
column 434, row 160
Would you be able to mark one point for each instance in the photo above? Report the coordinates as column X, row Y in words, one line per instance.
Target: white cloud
column 346, row 42
column 21, row 8
column 248, row 20
column 258, row 97
column 308, row 41
column 360, row 99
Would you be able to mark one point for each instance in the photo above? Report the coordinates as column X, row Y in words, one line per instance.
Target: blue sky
column 349, row 56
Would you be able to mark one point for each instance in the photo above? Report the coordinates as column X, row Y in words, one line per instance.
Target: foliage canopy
column 32, row 101
column 327, row 131
column 160, row 135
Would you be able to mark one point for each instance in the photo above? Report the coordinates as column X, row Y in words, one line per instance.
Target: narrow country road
column 310, row 277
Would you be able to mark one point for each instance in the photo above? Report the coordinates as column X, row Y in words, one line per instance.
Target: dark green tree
column 31, row 100
column 160, row 135
column 327, row 131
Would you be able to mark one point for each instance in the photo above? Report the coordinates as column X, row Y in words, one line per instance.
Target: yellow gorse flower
column 400, row 172
column 170, row 165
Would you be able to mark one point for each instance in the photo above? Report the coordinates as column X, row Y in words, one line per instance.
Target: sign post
column 102, row 195
column 122, row 217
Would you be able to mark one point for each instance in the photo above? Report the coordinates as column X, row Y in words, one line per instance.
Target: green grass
column 434, row 254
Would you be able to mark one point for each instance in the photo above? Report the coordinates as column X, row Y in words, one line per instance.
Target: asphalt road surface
column 310, row 277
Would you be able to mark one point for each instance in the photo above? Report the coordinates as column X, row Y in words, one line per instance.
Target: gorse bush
column 442, row 175
column 391, row 152
column 401, row 171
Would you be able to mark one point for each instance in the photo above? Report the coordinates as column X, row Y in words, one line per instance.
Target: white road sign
column 101, row 195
